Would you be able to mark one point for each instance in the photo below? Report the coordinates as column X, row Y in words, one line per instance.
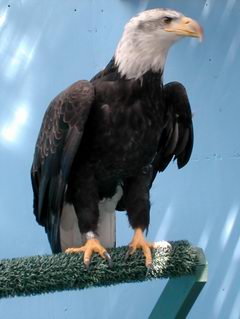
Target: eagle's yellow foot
column 91, row 246
column 139, row 242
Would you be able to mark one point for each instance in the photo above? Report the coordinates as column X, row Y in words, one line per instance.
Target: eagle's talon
column 139, row 242
column 91, row 246
column 108, row 258
column 149, row 267
column 130, row 251
column 87, row 264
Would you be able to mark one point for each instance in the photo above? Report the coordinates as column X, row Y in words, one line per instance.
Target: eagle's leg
column 136, row 194
column 83, row 193
column 139, row 242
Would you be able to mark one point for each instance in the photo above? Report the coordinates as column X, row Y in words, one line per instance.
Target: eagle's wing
column 109, row 73
column 176, row 141
column 58, row 141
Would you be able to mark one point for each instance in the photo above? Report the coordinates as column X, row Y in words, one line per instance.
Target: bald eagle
column 108, row 138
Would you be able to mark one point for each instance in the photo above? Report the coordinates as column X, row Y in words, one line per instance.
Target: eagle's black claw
column 87, row 264
column 129, row 252
column 149, row 267
column 108, row 258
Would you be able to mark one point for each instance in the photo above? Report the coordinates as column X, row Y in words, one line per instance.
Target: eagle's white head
column 147, row 38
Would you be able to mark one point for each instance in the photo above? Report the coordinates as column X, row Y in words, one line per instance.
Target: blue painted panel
column 45, row 46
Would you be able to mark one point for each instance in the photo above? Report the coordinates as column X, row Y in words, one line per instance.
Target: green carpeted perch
column 42, row 274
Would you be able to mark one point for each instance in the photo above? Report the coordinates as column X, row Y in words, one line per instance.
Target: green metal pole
column 180, row 293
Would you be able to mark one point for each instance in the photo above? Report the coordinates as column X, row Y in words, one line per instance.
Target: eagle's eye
column 167, row 20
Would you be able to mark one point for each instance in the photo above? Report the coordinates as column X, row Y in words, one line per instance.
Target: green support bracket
column 180, row 293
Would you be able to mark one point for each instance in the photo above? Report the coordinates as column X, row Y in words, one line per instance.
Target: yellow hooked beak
column 186, row 27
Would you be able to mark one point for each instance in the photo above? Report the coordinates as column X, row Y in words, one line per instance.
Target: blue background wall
column 45, row 46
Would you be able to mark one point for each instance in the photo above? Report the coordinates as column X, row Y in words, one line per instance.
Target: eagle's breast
column 124, row 130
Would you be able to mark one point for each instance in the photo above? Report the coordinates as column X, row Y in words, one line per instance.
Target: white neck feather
column 136, row 55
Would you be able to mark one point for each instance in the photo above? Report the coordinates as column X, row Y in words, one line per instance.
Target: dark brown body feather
column 98, row 135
